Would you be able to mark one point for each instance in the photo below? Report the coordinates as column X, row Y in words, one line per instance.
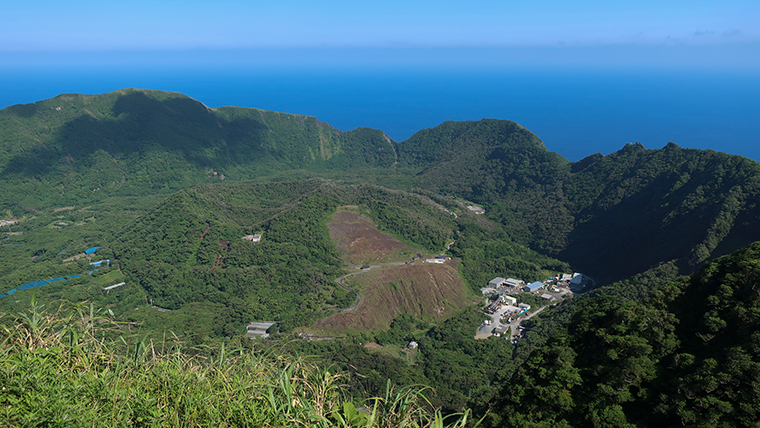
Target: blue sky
column 694, row 32
column 585, row 76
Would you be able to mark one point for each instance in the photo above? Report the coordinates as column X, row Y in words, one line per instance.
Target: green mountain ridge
column 609, row 216
column 131, row 141
column 168, row 187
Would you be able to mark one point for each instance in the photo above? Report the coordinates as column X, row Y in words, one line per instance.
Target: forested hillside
column 608, row 216
column 689, row 355
column 165, row 190
column 74, row 148
column 189, row 270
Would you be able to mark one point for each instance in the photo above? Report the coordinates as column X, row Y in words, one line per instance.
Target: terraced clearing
column 429, row 291
column 360, row 243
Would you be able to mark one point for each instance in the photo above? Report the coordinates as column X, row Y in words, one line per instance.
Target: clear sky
column 586, row 76
column 696, row 32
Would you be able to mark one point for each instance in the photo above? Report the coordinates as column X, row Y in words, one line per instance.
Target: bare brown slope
column 361, row 243
column 429, row 291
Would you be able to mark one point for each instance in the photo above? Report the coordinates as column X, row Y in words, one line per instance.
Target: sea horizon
column 576, row 111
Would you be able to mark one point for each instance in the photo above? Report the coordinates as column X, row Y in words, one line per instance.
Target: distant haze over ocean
column 575, row 111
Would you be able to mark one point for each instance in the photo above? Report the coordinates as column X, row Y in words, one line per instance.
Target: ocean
column 576, row 112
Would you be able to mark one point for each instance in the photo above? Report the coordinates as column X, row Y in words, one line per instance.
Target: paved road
column 484, row 331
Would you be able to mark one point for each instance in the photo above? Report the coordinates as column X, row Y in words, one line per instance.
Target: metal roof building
column 533, row 286
column 496, row 282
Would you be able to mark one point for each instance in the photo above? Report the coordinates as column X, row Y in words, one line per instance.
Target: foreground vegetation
column 71, row 367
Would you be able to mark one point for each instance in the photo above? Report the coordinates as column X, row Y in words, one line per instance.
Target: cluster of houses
column 499, row 289
column 574, row 280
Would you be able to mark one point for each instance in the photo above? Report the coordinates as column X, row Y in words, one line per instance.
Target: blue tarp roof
column 41, row 282
column 91, row 250
column 535, row 286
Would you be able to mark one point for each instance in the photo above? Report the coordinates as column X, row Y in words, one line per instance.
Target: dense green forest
column 167, row 188
column 688, row 354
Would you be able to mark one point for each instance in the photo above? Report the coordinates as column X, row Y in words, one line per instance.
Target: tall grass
column 58, row 369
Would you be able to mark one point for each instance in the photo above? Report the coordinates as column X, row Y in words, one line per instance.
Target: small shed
column 535, row 286
column 258, row 329
column 252, row 238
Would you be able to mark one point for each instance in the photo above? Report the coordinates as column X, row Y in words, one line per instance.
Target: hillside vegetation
column 689, row 355
column 188, row 269
column 78, row 147
column 57, row 370
column 167, row 189
column 609, row 216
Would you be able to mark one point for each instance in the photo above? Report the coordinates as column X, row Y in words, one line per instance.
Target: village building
column 535, row 286
column 257, row 330
column 511, row 282
column 496, row 282
column 576, row 279
column 252, row 238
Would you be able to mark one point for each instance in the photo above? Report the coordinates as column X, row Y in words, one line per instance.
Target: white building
column 252, row 238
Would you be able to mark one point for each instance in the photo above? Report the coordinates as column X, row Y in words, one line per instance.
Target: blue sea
column 575, row 111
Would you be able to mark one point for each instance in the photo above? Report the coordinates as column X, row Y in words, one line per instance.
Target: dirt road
column 359, row 296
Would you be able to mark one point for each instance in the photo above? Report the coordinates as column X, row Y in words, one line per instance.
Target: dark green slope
column 689, row 355
column 498, row 163
column 609, row 216
column 76, row 147
column 638, row 207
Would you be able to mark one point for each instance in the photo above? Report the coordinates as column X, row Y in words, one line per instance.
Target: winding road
column 360, row 270
column 359, row 296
